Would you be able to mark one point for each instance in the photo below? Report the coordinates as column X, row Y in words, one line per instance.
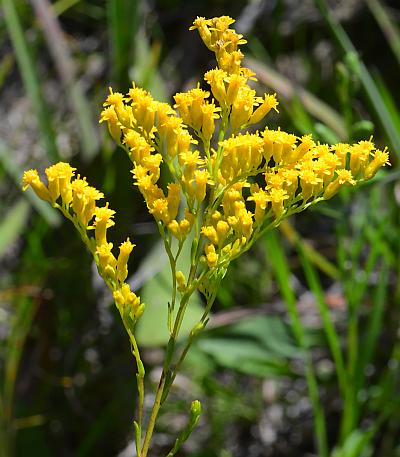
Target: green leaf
column 13, row 224
column 245, row 355
column 356, row 445
column 271, row 332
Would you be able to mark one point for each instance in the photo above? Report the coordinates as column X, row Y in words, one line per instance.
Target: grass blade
column 282, row 274
column 123, row 24
column 313, row 255
column 374, row 325
column 387, row 25
column 329, row 328
column 388, row 100
column 30, row 77
column 366, row 79
column 66, row 71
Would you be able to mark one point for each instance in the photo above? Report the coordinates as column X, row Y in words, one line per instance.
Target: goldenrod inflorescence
column 226, row 185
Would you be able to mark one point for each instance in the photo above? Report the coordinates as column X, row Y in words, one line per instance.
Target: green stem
column 153, row 416
column 172, row 262
column 193, row 334
column 166, row 368
column 140, row 376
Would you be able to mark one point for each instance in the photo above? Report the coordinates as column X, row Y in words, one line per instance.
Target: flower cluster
column 78, row 202
column 235, row 184
column 227, row 185
column 223, row 186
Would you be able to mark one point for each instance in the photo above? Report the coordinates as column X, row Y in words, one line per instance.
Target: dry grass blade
column 286, row 89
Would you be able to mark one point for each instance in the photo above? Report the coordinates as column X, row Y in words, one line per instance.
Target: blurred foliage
column 66, row 380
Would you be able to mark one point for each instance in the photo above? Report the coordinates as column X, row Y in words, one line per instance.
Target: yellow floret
column 31, row 178
column 103, row 220
column 124, row 252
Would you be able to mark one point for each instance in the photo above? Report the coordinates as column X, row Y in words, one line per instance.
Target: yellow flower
column 269, row 102
column 90, row 196
column 201, row 178
column 209, row 111
column 159, row 209
column 210, row 233
column 211, row 255
column 107, row 261
column 31, row 178
column 174, row 194
column 59, row 179
column 114, row 127
column 103, row 220
column 301, row 150
column 122, row 263
column 235, row 82
column 170, row 131
column 181, row 281
column 278, row 145
column 261, row 199
column 143, row 108
column 242, row 154
column 308, row 181
column 359, row 156
column 201, row 24
column 290, row 180
column 222, row 229
column 343, row 177
column 181, row 229
column 277, row 198
column 114, row 98
column 128, row 302
column 78, row 200
column 138, row 146
column 216, row 79
column 242, row 107
column 190, row 104
column 381, row 158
